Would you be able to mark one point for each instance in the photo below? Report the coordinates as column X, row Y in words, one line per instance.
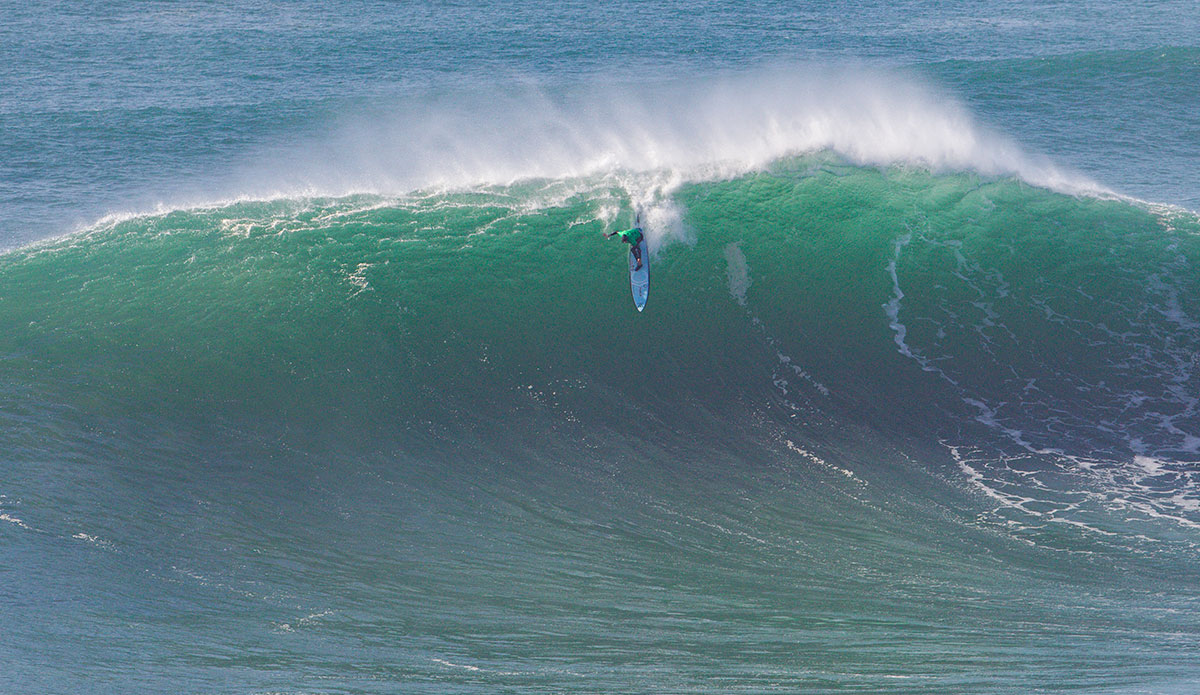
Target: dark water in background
column 344, row 391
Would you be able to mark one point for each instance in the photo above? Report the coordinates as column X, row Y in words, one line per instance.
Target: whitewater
column 318, row 375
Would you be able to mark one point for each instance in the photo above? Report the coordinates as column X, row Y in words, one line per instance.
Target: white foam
column 94, row 540
column 737, row 272
column 14, row 520
column 892, row 309
column 359, row 278
column 822, row 462
column 1151, row 466
column 467, row 667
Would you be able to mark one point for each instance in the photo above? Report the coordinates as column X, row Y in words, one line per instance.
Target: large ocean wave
column 1046, row 341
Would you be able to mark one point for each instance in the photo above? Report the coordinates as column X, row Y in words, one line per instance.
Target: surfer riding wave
column 632, row 237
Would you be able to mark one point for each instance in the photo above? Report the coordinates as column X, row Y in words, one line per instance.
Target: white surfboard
column 640, row 279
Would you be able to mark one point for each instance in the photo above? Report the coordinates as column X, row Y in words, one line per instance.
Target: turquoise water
column 317, row 374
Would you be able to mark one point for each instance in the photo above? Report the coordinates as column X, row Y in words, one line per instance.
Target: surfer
column 631, row 237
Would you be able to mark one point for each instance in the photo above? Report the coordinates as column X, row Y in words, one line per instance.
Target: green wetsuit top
column 632, row 236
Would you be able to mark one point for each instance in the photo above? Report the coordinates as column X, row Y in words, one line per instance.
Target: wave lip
column 686, row 130
column 645, row 140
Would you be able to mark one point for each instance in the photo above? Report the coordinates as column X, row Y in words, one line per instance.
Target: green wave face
column 886, row 295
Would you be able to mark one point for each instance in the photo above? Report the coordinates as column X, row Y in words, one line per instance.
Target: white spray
column 648, row 139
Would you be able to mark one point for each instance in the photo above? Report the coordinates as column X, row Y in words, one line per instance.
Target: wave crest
column 687, row 130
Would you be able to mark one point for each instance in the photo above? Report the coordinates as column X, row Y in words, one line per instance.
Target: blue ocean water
column 317, row 375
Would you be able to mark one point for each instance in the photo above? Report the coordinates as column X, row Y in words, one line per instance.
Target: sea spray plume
column 701, row 128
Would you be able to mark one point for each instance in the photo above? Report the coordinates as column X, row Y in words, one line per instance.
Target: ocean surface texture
column 317, row 374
